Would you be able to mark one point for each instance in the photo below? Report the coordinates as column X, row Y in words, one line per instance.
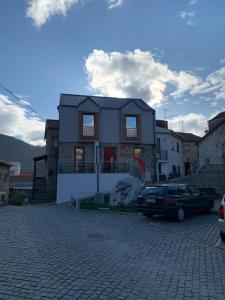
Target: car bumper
column 156, row 210
column 222, row 225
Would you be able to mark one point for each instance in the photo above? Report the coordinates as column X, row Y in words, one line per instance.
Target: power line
column 19, row 100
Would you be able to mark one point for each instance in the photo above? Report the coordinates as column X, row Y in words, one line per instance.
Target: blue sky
column 89, row 47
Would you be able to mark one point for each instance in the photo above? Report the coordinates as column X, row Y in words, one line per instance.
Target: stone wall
column 211, row 179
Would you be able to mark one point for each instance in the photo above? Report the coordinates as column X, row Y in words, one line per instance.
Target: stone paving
column 50, row 252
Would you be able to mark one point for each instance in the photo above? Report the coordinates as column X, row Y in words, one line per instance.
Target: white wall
column 83, row 185
column 211, row 147
column 174, row 158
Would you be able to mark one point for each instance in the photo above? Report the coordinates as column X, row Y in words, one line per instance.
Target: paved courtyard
column 50, row 252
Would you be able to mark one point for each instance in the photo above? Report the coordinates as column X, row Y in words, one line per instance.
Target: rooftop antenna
column 182, row 126
column 165, row 113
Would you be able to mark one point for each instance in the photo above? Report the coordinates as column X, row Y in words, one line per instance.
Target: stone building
column 45, row 166
column 96, row 142
column 212, row 146
column 190, row 152
column 4, row 180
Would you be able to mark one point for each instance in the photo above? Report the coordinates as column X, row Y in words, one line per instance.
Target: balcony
column 71, row 167
column 162, row 155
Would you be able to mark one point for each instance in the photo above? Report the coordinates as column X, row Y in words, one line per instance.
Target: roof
column 219, row 116
column 188, row 137
column 24, row 176
column 5, row 163
column 211, row 131
column 51, row 124
column 42, row 157
column 162, row 123
column 102, row 102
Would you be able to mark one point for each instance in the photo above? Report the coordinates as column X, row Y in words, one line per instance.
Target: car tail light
column 221, row 212
column 167, row 202
column 140, row 200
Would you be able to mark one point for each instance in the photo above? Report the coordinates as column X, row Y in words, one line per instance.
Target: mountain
column 12, row 149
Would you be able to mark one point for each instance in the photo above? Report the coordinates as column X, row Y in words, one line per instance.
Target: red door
column 109, row 159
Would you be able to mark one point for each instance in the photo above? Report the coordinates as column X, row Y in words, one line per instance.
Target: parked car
column 175, row 200
column 222, row 219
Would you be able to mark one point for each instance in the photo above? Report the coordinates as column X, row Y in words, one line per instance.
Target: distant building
column 46, row 166
column 190, row 152
column 169, row 152
column 212, row 146
column 4, row 180
column 22, row 182
column 15, row 168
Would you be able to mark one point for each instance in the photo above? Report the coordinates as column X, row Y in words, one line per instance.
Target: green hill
column 12, row 149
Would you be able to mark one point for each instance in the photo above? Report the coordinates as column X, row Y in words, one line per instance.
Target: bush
column 18, row 198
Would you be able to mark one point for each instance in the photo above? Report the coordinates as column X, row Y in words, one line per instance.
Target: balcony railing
column 114, row 167
column 162, row 155
column 71, row 167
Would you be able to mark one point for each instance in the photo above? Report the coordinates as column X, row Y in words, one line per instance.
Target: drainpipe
column 97, row 147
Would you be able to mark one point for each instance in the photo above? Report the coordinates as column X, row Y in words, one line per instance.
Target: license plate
column 150, row 201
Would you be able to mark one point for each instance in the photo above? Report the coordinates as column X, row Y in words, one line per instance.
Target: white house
column 169, row 152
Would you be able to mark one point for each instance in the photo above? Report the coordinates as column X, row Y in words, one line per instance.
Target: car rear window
column 154, row 191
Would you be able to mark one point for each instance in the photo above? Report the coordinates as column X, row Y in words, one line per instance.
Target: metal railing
column 114, row 167
column 72, row 167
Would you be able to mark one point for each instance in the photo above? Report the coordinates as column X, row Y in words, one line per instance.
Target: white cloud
column 16, row 121
column 115, row 3
column 135, row 74
column 187, row 14
column 40, row 11
column 214, row 83
column 193, row 2
column 192, row 122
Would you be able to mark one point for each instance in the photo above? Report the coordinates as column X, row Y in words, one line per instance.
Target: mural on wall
column 125, row 191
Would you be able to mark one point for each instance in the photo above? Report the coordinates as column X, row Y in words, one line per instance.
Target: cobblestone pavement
column 50, row 252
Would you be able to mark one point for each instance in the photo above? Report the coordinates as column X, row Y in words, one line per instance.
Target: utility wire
column 19, row 99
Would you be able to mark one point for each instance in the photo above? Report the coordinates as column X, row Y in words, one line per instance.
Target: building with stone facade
column 4, row 181
column 211, row 147
column 102, row 140
column 190, row 152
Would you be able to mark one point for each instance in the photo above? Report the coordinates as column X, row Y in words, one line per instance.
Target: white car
column 222, row 219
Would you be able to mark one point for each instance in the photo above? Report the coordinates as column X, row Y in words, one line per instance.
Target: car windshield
column 155, row 191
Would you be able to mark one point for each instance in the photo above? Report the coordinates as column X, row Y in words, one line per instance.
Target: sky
column 170, row 53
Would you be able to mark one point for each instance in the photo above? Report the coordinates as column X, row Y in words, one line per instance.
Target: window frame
column 138, row 127
column 81, row 126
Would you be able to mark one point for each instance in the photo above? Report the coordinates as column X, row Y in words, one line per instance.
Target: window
column 172, row 146
column 160, row 168
column 131, row 127
column 172, row 190
column 88, row 125
column 178, row 147
column 137, row 153
column 158, row 145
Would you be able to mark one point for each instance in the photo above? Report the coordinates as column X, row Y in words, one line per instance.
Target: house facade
column 169, row 152
column 190, row 152
column 4, row 181
column 211, row 147
column 102, row 140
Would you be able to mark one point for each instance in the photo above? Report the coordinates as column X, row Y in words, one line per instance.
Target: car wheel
column 148, row 215
column 180, row 214
column 222, row 236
